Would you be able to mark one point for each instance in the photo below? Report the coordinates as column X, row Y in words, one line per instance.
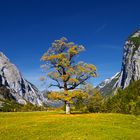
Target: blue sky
column 28, row 27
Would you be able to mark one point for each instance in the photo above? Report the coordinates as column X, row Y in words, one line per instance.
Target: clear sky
column 28, row 27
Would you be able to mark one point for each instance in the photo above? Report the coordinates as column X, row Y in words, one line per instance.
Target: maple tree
column 67, row 74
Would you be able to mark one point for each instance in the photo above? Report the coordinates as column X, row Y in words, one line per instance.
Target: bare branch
column 52, row 85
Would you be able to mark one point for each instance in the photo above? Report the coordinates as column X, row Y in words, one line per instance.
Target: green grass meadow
column 58, row 126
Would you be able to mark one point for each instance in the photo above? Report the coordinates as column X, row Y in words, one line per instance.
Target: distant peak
column 2, row 55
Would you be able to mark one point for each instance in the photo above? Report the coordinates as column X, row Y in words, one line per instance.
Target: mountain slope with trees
column 125, row 101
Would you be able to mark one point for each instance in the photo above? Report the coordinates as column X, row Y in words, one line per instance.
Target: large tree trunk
column 67, row 108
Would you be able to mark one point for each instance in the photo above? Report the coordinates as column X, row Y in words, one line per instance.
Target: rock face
column 130, row 70
column 131, row 61
column 21, row 89
column 108, row 85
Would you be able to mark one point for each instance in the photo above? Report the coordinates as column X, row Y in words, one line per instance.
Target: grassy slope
column 57, row 126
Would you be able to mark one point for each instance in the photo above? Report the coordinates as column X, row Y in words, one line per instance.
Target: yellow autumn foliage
column 64, row 71
column 67, row 95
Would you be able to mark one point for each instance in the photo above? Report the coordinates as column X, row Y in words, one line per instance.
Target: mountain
column 131, row 61
column 107, row 86
column 130, row 70
column 21, row 89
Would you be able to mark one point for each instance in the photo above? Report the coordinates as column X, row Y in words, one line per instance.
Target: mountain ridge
column 130, row 69
column 21, row 89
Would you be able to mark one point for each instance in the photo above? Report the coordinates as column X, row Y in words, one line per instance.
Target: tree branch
column 52, row 85
column 76, row 85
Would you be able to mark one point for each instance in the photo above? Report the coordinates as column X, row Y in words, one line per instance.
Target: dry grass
column 58, row 126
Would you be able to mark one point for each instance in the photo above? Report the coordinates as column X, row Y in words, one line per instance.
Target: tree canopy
column 62, row 68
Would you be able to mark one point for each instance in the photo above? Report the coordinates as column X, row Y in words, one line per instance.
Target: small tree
column 92, row 102
column 67, row 74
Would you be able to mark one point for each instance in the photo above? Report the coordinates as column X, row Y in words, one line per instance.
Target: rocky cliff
column 22, row 90
column 108, row 85
column 131, row 61
column 130, row 70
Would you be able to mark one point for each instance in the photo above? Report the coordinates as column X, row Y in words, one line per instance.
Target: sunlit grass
column 58, row 126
